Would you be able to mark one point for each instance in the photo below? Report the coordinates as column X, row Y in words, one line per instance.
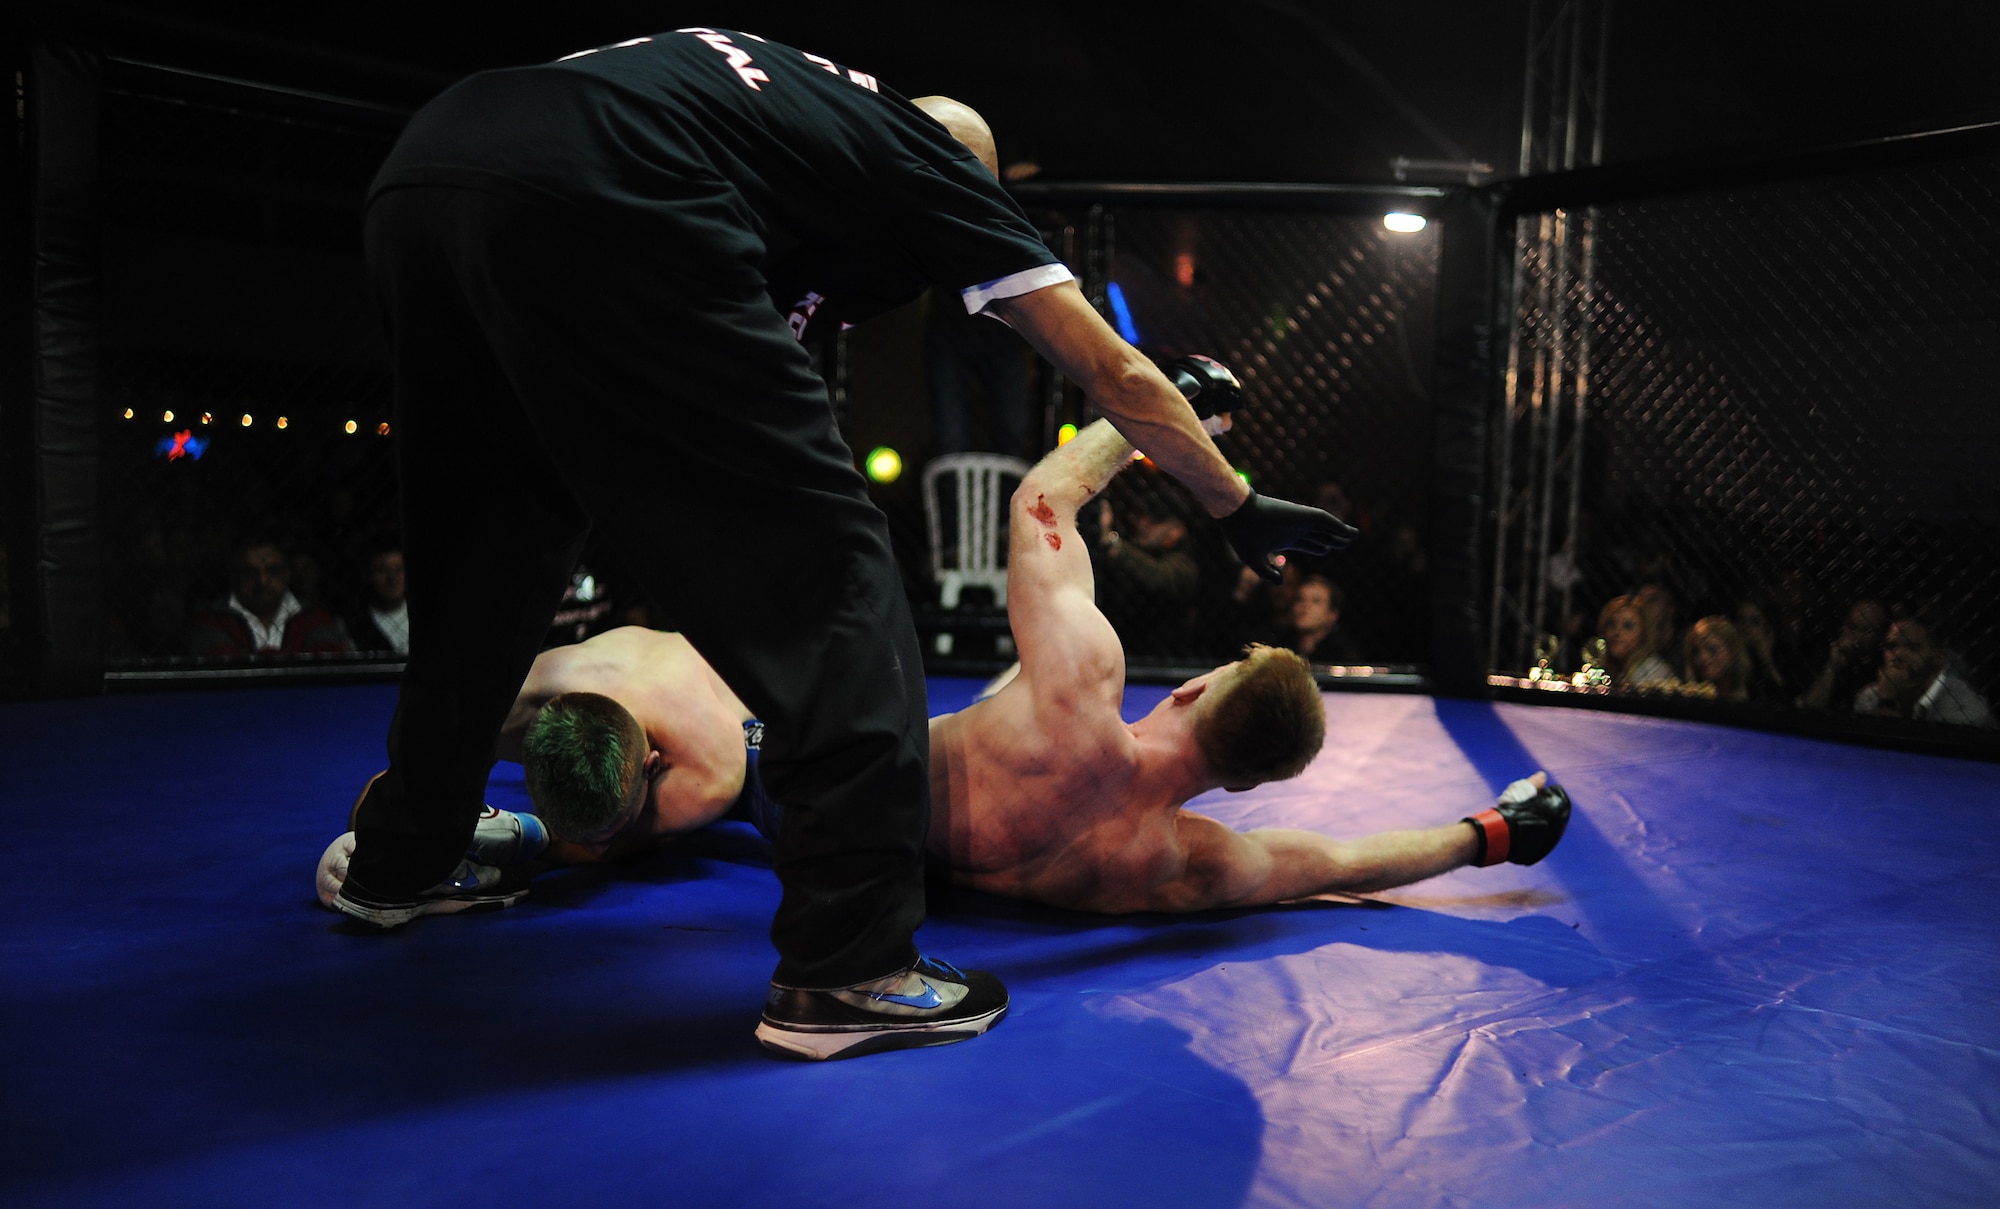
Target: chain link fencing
column 1770, row 404
column 1751, row 448
column 1328, row 319
column 243, row 377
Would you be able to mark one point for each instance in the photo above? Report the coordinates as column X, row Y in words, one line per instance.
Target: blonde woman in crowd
column 1717, row 655
column 1631, row 645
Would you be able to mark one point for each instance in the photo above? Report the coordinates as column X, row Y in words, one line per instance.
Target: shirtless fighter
column 628, row 740
column 1040, row 791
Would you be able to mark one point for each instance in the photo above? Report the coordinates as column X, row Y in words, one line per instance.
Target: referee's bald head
column 965, row 125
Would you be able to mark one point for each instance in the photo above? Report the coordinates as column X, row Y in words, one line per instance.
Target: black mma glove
column 1207, row 385
column 1264, row 526
column 1524, row 826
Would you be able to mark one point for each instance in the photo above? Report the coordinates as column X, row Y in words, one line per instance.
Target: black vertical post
column 61, row 603
column 1473, row 274
column 16, row 376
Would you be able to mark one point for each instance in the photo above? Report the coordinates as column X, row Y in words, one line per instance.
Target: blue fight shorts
column 753, row 805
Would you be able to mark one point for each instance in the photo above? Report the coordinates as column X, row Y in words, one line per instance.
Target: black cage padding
column 62, row 602
column 1472, row 268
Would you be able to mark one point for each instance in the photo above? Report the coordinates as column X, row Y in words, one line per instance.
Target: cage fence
column 1750, row 445
column 1328, row 321
column 243, row 378
column 1770, row 404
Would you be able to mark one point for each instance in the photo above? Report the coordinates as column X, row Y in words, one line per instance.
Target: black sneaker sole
column 395, row 915
column 817, row 1045
column 817, row 1025
column 357, row 903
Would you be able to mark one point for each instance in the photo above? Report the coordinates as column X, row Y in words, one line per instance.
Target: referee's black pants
column 552, row 380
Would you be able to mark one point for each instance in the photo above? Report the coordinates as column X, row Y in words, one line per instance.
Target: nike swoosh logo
column 929, row 999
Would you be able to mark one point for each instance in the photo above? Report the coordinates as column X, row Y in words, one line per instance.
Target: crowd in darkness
column 319, row 573
column 1642, row 620
column 291, row 558
column 1825, row 643
column 1176, row 594
column 1882, row 661
column 273, row 596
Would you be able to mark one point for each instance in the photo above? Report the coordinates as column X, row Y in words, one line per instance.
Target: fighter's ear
column 653, row 764
column 1187, row 693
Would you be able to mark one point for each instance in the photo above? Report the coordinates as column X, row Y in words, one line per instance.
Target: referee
column 595, row 274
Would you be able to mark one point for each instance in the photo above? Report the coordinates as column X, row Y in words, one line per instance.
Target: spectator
column 974, row 356
column 1315, row 624
column 1852, row 659
column 1775, row 673
column 1148, row 580
column 1914, row 683
column 1331, row 496
column 260, row 616
column 382, row 623
column 1718, row 656
column 1631, row 645
column 1253, row 610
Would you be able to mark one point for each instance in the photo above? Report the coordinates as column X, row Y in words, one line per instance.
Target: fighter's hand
column 1209, row 388
column 332, row 872
column 1264, row 526
column 1524, row 825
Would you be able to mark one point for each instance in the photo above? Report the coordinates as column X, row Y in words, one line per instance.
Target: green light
column 885, row 465
column 1065, row 434
column 1242, row 474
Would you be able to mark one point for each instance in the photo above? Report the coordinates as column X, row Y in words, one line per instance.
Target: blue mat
column 1759, row 971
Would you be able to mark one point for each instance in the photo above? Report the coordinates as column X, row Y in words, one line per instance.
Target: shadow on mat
column 609, row 1018
column 1147, row 947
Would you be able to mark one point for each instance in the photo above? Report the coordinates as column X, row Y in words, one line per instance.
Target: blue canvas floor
column 1759, row 971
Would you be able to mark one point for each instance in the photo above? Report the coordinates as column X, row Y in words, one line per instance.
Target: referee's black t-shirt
column 741, row 151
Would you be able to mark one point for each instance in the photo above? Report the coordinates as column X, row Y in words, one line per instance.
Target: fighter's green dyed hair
column 582, row 755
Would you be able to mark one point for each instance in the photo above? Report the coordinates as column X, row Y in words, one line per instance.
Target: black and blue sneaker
column 931, row 1003
column 471, row 887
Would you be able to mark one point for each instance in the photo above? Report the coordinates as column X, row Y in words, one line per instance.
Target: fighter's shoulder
column 1041, row 720
column 1074, row 695
column 605, row 663
column 633, row 637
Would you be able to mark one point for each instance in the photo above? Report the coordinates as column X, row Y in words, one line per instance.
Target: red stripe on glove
column 1497, row 833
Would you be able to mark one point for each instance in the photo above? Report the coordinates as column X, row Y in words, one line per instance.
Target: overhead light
column 1405, row 223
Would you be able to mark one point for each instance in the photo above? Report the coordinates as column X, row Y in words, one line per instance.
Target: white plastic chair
column 980, row 482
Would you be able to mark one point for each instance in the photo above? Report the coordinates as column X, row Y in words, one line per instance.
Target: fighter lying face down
column 1041, row 791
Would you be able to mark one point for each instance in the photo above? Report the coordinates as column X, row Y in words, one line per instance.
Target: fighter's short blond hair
column 1268, row 721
